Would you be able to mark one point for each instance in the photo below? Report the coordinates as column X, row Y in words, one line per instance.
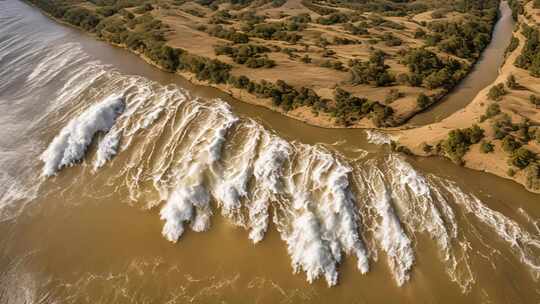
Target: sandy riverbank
column 516, row 104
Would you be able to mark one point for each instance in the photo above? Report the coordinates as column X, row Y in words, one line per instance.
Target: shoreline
column 495, row 162
column 301, row 114
column 400, row 134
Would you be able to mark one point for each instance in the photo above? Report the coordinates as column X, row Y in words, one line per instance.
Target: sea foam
column 70, row 145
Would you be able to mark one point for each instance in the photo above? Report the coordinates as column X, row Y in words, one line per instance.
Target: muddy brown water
column 484, row 72
column 95, row 236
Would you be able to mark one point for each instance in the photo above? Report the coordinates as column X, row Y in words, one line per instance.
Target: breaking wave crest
column 198, row 158
column 70, row 145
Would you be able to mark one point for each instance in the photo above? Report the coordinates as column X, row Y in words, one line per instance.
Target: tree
column 496, row 92
column 486, row 147
column 306, row 59
column 459, row 140
column 493, row 110
column 535, row 100
column 422, row 101
column 511, row 82
column 374, row 71
column 509, row 144
column 474, row 134
column 522, row 157
column 533, row 176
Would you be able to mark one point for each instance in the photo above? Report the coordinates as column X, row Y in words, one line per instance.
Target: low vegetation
column 459, row 141
column 529, row 59
column 317, row 38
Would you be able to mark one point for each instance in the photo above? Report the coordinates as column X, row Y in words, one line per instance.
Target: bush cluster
column 228, row 33
column 428, row 70
column 391, row 40
column 516, row 7
column 459, row 140
column 248, row 54
column 463, row 39
column 374, row 71
column 512, row 46
column 496, row 92
column 533, row 176
column 486, row 147
column 349, row 109
column 529, row 58
column 535, row 100
column 276, row 31
column 503, row 126
column 358, row 30
column 333, row 64
column 423, row 101
column 333, row 19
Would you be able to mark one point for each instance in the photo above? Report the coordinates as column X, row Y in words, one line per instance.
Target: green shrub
column 392, row 96
column 306, row 59
column 278, row 3
column 419, row 33
column 509, row 144
column 516, row 8
column 83, row 18
column 512, row 46
column 423, row 101
column 535, row 100
column 333, row 19
column 533, row 176
column 349, row 109
column 357, row 30
column 493, row 110
column 486, row 147
column 143, row 8
column 529, row 58
column 321, row 10
column 248, row 54
column 259, row 62
column 459, row 140
column 511, row 82
column 511, row 172
column 391, row 40
column 374, row 71
column 497, row 92
column 301, row 18
column 465, row 39
column 522, row 157
column 228, row 34
column 428, row 70
column 274, row 31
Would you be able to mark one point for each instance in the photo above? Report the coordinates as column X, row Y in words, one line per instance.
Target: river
column 123, row 184
column 484, row 72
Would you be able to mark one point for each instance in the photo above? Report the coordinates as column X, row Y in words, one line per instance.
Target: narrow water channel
column 483, row 74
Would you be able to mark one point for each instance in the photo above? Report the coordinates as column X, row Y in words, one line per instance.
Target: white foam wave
column 268, row 173
column 187, row 204
column 107, row 148
column 388, row 229
column 70, row 145
column 191, row 192
column 378, row 138
column 309, row 251
column 526, row 246
column 425, row 210
column 197, row 152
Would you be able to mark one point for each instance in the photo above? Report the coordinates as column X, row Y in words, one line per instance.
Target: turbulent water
column 187, row 161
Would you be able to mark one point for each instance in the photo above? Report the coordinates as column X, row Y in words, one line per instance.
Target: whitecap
column 70, row 145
